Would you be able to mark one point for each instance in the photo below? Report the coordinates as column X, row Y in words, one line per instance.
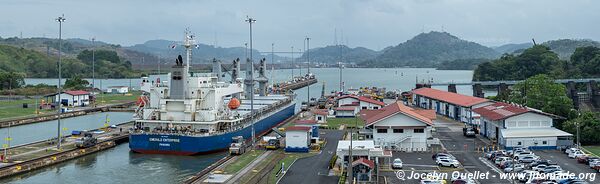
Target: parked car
column 545, row 162
column 534, row 180
column 397, row 164
column 594, row 163
column 499, row 160
column 552, row 168
column 515, row 168
column 520, row 154
column 568, row 151
column 539, row 168
column 442, row 155
column 470, row 132
column 448, row 163
column 576, row 154
column 527, row 159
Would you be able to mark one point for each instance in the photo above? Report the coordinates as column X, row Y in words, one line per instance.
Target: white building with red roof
column 321, row 115
column 453, row 105
column 399, row 127
column 77, row 98
column 361, row 101
column 518, row 126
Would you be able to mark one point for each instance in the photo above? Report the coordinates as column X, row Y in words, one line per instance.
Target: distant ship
column 200, row 113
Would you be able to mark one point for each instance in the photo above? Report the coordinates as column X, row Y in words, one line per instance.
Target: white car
column 528, row 174
column 499, row 160
column 568, row 151
column 430, row 181
column 517, row 168
column 521, row 154
column 448, row 163
column 397, row 164
column 539, row 168
column 576, row 154
column 593, row 164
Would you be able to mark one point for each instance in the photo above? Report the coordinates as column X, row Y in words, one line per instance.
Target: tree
column 76, row 83
column 542, row 93
column 589, row 125
column 11, row 80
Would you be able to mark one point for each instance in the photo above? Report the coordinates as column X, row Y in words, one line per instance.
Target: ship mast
column 188, row 43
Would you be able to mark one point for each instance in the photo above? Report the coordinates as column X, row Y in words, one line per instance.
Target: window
column 544, row 142
column 375, row 107
column 420, row 130
column 363, row 107
column 519, row 143
column 398, row 130
column 381, row 130
column 319, row 118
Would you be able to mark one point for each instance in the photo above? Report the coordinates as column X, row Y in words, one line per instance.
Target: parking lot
column 473, row 161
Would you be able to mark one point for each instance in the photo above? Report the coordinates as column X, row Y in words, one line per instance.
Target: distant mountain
column 512, row 47
column 331, row 54
column 565, row 47
column 428, row 50
column 202, row 54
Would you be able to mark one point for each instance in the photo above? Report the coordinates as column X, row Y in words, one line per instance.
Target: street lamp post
column 308, row 69
column 293, row 65
column 60, row 20
column 250, row 21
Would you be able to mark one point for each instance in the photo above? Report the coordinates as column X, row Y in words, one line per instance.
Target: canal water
column 119, row 165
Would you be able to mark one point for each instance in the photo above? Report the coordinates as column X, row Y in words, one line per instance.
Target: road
column 314, row 169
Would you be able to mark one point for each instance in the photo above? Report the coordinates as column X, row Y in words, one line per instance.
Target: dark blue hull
column 190, row 145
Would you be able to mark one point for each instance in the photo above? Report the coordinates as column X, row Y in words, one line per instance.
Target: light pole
column 308, row 69
column 341, row 58
column 577, row 123
column 250, row 21
column 293, row 65
column 60, row 20
column 272, row 61
column 94, row 66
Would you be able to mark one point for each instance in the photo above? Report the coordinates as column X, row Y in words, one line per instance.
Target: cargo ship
column 194, row 113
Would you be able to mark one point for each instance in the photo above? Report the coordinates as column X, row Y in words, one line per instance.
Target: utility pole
column 293, row 64
column 250, row 21
column 341, row 67
column 60, row 20
column 94, row 67
column 308, row 69
column 272, row 61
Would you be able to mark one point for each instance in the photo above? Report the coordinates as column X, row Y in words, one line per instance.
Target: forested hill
column 541, row 59
column 428, row 50
column 36, row 64
column 331, row 54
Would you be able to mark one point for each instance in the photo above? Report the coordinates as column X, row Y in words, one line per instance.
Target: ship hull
column 191, row 145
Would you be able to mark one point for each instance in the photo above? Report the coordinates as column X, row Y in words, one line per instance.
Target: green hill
column 36, row 64
column 428, row 50
column 331, row 54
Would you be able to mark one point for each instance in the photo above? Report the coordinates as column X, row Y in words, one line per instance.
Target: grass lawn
column 349, row 122
column 242, row 161
column 14, row 108
column 288, row 160
column 594, row 149
column 117, row 98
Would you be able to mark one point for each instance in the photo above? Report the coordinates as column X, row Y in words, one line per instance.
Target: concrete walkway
column 249, row 167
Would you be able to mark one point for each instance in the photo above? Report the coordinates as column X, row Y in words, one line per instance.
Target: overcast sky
column 373, row 24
